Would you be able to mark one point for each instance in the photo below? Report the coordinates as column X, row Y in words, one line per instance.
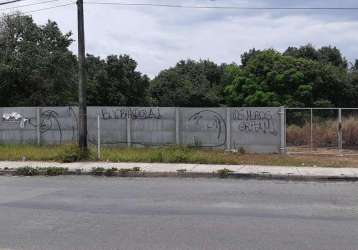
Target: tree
column 36, row 66
column 189, row 84
column 325, row 55
column 248, row 55
column 272, row 79
column 306, row 52
column 116, row 82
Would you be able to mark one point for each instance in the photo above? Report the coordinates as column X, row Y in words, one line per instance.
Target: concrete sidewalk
column 197, row 169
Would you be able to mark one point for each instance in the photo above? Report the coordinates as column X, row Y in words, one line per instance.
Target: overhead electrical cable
column 45, row 8
column 221, row 7
column 49, row 8
column 29, row 4
column 10, row 2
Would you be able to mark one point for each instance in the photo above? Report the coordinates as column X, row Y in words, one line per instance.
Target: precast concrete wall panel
column 256, row 130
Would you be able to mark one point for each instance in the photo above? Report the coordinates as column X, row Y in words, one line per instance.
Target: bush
column 54, row 171
column 124, row 171
column 224, row 173
column 111, row 172
column 98, row 171
column 70, row 153
column 136, row 169
column 27, row 171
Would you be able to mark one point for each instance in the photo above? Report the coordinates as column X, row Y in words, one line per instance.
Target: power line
column 49, row 8
column 9, row 2
column 28, row 5
column 222, row 7
column 43, row 9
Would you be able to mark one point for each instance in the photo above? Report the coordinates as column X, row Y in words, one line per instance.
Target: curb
column 244, row 176
column 295, row 177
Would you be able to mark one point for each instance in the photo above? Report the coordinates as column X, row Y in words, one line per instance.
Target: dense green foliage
column 270, row 78
column 37, row 68
column 189, row 84
column 115, row 82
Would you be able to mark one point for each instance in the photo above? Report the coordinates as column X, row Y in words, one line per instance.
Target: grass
column 324, row 133
column 63, row 153
column 69, row 153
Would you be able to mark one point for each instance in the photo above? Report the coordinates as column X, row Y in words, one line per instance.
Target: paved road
column 101, row 213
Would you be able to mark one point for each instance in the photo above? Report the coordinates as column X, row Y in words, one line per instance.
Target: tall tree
column 325, row 55
column 272, row 79
column 36, row 66
column 115, row 81
column 189, row 84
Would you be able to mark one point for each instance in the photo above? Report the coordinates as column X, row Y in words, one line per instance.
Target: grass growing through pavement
column 70, row 153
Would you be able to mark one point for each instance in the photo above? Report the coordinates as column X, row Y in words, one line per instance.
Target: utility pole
column 82, row 79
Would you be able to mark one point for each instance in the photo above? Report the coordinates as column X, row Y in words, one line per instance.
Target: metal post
column 129, row 137
column 82, row 79
column 38, row 127
column 283, row 130
column 177, row 126
column 228, row 128
column 98, row 137
column 311, row 138
column 340, row 136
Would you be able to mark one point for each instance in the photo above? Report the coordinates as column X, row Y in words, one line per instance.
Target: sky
column 157, row 37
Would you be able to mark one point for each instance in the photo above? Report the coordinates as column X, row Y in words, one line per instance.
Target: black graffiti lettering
column 133, row 113
column 106, row 115
column 254, row 121
column 251, row 115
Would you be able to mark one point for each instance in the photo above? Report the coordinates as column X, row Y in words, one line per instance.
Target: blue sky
column 159, row 37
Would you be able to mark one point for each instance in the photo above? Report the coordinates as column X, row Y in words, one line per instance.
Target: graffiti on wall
column 196, row 127
column 255, row 121
column 15, row 117
column 133, row 113
column 49, row 121
column 208, row 120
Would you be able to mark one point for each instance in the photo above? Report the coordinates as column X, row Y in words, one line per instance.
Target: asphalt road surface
column 105, row 213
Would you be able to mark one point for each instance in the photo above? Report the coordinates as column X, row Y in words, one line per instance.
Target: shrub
column 27, row 171
column 98, row 171
column 55, row 171
column 136, row 169
column 111, row 172
column 224, row 173
column 70, row 153
column 124, row 171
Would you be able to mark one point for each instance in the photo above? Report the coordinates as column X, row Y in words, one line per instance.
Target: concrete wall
column 253, row 129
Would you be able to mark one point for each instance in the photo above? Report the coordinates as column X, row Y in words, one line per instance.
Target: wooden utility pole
column 82, row 79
